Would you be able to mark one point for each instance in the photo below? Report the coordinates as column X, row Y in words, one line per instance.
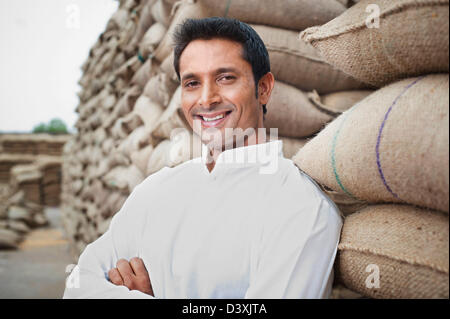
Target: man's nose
column 209, row 95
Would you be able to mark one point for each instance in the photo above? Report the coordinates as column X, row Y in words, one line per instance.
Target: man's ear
column 265, row 87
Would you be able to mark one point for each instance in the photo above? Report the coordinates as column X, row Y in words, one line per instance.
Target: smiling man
column 219, row 226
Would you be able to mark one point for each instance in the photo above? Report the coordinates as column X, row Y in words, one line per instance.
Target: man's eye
column 191, row 84
column 227, row 78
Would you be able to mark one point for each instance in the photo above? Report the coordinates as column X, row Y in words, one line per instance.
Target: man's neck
column 248, row 140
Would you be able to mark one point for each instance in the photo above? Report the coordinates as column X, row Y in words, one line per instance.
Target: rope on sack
column 140, row 57
column 314, row 98
column 227, row 8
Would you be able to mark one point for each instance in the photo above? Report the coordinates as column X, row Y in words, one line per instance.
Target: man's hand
column 132, row 275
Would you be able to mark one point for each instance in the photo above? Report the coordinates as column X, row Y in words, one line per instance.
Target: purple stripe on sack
column 377, row 149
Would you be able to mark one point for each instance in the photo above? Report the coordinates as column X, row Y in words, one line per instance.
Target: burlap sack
column 292, row 145
column 151, row 39
column 140, row 158
column 118, row 20
column 145, row 72
column 124, row 106
column 128, row 69
column 161, row 12
column 182, row 147
column 123, row 178
column 171, row 119
column 160, row 89
column 411, row 39
column 108, row 145
column 390, row 147
column 298, row 63
column 148, row 111
column 138, row 139
column 290, row 14
column 406, row 246
column 126, row 34
column 9, row 239
column 290, row 110
column 145, row 22
column 119, row 60
column 336, row 103
column 168, row 68
column 158, row 158
column 187, row 10
column 99, row 136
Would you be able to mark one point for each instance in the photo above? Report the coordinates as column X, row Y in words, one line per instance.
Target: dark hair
column 254, row 50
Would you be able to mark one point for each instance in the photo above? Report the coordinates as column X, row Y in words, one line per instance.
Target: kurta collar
column 244, row 156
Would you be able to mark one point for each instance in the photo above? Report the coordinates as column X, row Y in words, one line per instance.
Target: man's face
column 218, row 89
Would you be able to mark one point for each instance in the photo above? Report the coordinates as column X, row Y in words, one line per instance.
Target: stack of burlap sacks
column 29, row 181
column 129, row 107
column 385, row 160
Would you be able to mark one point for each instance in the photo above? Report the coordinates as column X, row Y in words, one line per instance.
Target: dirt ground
column 38, row 268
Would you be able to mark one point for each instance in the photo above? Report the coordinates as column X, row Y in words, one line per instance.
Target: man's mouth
column 213, row 119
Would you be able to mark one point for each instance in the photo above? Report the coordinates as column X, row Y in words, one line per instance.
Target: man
column 228, row 225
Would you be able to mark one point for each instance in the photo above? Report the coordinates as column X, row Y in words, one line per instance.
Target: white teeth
column 208, row 119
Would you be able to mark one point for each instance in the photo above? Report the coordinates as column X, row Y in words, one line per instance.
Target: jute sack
column 160, row 89
column 126, row 34
column 106, row 164
column 99, row 136
column 395, row 251
column 151, row 39
column 145, row 72
column 148, row 111
column 292, row 145
column 161, row 12
column 183, row 146
column 145, row 22
column 288, row 14
column 123, row 178
column 124, row 106
column 118, row 20
column 171, row 119
column 140, row 158
column 128, row 69
column 138, row 139
column 299, row 64
column 186, row 10
column 158, row 158
column 336, row 103
column 290, row 110
column 125, row 125
column 390, row 147
column 411, row 39
column 168, row 68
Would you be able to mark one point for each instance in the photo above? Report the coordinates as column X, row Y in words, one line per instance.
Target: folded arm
column 89, row 279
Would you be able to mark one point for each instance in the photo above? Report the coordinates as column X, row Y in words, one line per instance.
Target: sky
column 43, row 45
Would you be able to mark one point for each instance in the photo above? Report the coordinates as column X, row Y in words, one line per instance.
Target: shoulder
column 166, row 175
column 300, row 196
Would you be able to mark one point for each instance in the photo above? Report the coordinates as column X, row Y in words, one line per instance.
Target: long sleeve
column 296, row 250
column 89, row 278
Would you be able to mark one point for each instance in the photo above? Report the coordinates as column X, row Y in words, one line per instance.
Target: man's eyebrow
column 218, row 71
column 188, row 76
column 226, row 70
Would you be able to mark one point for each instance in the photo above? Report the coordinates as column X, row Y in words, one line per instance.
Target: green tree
column 40, row 128
column 55, row 126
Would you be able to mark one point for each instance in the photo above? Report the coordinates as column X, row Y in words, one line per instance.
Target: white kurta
column 237, row 232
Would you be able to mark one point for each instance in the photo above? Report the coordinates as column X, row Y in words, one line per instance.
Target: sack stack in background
column 30, row 178
column 130, row 108
column 33, row 144
column 385, row 160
